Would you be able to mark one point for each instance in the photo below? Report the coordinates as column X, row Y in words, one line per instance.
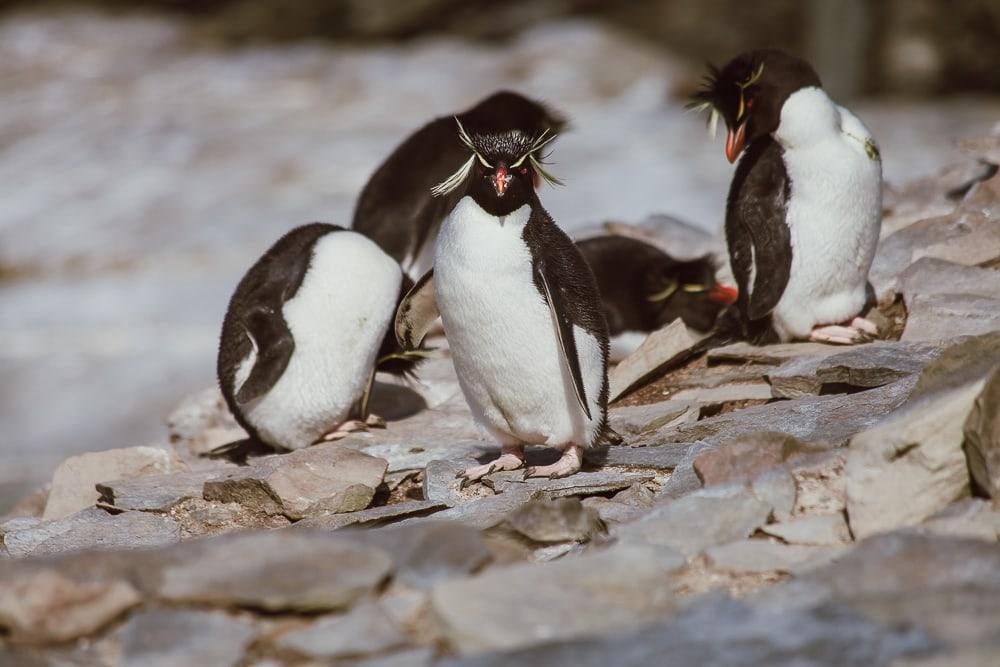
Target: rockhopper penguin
column 805, row 203
column 396, row 208
column 644, row 289
column 520, row 308
column 303, row 333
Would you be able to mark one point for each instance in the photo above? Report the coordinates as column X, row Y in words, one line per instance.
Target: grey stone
column 611, row 511
column 796, row 378
column 579, row 484
column 972, row 518
column 550, row 521
column 767, row 556
column 699, row 520
column 967, row 656
column 407, row 455
column 43, row 605
column 157, row 493
column 508, row 607
column 429, row 551
column 776, row 488
column 941, row 316
column 822, row 420
column 418, row 657
column 666, row 457
column 747, row 391
column 275, row 571
column 747, row 456
column 822, row 529
column 659, row 349
column 910, row 466
column 637, row 495
column 480, row 513
column 636, row 419
column 820, row 486
column 321, row 478
column 928, row 276
column 371, row 516
column 720, row 631
column 93, row 528
column 169, row 637
column 441, row 481
column 361, row 631
column 982, row 437
column 684, row 479
column 769, row 354
column 73, row 483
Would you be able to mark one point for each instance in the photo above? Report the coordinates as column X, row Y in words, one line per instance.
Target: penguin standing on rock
column 520, row 308
column 805, row 204
column 644, row 289
column 303, row 333
column 396, row 208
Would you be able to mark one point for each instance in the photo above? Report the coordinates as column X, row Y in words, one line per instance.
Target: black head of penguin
column 750, row 91
column 643, row 288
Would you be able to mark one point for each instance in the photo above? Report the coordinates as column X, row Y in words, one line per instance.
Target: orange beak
column 723, row 294
column 500, row 180
column 735, row 140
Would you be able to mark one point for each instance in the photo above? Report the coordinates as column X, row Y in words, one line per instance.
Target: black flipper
column 756, row 231
column 417, row 313
column 269, row 333
column 564, row 330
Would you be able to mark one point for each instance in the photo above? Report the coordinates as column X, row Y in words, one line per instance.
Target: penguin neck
column 808, row 117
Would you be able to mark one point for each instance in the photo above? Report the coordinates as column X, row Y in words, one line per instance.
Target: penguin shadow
column 394, row 402
column 239, row 451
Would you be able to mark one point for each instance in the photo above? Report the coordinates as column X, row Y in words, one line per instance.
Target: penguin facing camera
column 303, row 333
column 805, row 204
column 519, row 305
column 644, row 289
column 396, row 209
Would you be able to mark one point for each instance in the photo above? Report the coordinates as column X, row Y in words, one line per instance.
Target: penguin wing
column 273, row 341
column 416, row 313
column 561, row 319
column 760, row 245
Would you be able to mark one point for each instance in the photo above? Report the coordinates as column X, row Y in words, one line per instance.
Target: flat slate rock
column 170, row 637
column 770, row 354
column 318, row 479
column 747, row 456
column 361, row 631
column 372, row 515
column 982, row 437
column 409, row 456
column 822, row 529
column 766, row 556
column 659, row 348
column 579, row 484
column 601, row 592
column 746, row 391
column 480, row 513
column 720, row 631
column 155, row 493
column 942, row 316
column 665, row 457
column 698, row 520
column 551, row 521
column 296, row 571
column 93, row 528
column 929, row 275
column 442, row 483
column 636, row 419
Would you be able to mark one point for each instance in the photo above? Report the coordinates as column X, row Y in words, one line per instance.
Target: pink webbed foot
column 511, row 458
column 858, row 330
column 344, row 430
column 569, row 463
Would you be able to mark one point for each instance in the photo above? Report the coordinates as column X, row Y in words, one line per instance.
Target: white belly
column 502, row 337
column 834, row 215
column 338, row 319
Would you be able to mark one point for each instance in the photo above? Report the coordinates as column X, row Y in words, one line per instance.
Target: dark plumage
column 396, row 209
column 643, row 288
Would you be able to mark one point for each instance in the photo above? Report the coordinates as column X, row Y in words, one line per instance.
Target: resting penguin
column 805, row 204
column 303, row 333
column 520, row 309
column 644, row 289
column 396, row 209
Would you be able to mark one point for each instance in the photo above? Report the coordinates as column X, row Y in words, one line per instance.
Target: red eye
column 524, row 170
column 750, row 103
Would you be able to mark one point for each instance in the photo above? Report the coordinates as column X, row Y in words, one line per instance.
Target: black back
column 560, row 270
column 396, row 209
column 255, row 309
column 630, row 272
column 758, row 236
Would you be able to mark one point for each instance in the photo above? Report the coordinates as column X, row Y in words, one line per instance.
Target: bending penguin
column 520, row 309
column 805, row 204
column 396, row 209
column 301, row 338
column 644, row 289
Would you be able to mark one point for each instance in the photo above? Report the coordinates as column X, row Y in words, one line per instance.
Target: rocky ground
column 795, row 504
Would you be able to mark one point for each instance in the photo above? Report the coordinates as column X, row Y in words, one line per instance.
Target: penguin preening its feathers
column 804, row 206
column 396, row 209
column 520, row 306
column 300, row 343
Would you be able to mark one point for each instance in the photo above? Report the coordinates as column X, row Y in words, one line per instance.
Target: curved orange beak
column 723, row 294
column 735, row 140
column 500, row 180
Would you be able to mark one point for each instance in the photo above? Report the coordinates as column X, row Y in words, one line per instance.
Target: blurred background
column 151, row 151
